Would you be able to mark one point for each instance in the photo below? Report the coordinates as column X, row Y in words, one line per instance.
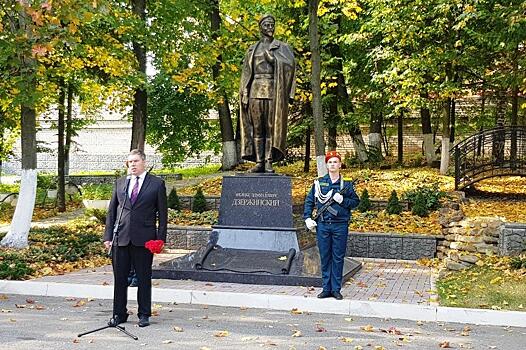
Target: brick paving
column 382, row 280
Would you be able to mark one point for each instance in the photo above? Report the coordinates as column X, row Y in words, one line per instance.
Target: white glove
column 311, row 224
column 338, row 198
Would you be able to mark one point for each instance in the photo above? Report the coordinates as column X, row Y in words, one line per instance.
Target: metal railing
column 494, row 152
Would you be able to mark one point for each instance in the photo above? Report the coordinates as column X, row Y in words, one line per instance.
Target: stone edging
column 350, row 307
column 359, row 244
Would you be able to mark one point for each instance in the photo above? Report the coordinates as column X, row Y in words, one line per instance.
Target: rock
column 472, row 259
column 490, row 239
column 456, row 266
column 463, row 246
column 468, row 239
column 487, row 249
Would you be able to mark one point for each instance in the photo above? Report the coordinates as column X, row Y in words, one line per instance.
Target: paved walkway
column 378, row 280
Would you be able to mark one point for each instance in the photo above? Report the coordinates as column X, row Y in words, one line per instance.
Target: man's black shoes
column 144, row 321
column 324, row 294
column 337, row 295
column 117, row 320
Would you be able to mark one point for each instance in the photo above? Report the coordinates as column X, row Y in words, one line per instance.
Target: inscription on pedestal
column 256, row 201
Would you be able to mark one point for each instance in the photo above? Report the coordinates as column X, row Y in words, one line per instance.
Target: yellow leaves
column 296, row 333
column 444, row 345
column 367, row 328
column 347, row 340
column 39, row 50
column 496, row 280
column 296, row 311
column 221, row 334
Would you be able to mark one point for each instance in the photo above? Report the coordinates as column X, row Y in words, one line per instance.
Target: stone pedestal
column 254, row 241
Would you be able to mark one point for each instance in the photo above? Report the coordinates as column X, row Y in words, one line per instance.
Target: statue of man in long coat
column 267, row 86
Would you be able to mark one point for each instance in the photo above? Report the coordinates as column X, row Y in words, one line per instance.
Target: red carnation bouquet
column 154, row 246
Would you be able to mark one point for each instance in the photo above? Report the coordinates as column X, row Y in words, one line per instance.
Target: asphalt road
column 42, row 323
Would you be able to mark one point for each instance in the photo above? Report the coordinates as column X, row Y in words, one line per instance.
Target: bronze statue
column 267, row 86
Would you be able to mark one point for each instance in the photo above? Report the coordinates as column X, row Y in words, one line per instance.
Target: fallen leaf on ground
column 367, row 328
column 346, row 339
column 282, row 258
column 168, row 341
column 20, row 306
column 30, row 301
column 295, row 311
column 391, row 330
column 444, row 345
column 297, row 333
column 178, row 329
column 320, row 329
column 3, row 297
column 79, row 303
column 348, row 319
column 221, row 334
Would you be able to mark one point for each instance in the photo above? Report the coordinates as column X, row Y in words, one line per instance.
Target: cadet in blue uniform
column 332, row 226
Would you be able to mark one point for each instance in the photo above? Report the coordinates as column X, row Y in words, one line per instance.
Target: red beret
column 332, row 154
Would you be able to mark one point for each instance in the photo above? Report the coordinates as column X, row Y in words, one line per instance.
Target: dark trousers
column 332, row 243
column 142, row 260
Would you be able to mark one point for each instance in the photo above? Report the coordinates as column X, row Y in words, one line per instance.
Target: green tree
column 393, row 204
column 365, row 202
column 173, row 200
column 199, row 202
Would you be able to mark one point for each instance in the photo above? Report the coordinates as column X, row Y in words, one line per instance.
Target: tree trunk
column 140, row 98
column 306, row 161
column 69, row 129
column 375, row 135
column 17, row 237
column 229, row 159
column 332, row 124
column 427, row 132
column 401, row 137
column 444, row 155
column 453, row 121
column 61, row 193
column 317, row 111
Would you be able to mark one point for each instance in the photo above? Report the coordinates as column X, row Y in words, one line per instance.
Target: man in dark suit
column 142, row 199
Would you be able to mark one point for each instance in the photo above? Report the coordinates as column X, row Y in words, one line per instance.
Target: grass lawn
column 494, row 285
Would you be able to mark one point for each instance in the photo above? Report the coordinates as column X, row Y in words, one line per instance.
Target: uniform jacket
column 350, row 201
column 145, row 220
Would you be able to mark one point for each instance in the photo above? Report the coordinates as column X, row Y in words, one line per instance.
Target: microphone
column 127, row 183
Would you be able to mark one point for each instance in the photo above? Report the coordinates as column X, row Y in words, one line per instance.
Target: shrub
column 4, row 188
column 426, row 196
column 419, row 206
column 393, row 204
column 173, row 200
column 99, row 215
column 518, row 262
column 365, row 202
column 46, row 181
column 102, row 191
column 199, row 203
column 12, row 266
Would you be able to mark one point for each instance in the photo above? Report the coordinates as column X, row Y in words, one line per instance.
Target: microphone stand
column 114, row 245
